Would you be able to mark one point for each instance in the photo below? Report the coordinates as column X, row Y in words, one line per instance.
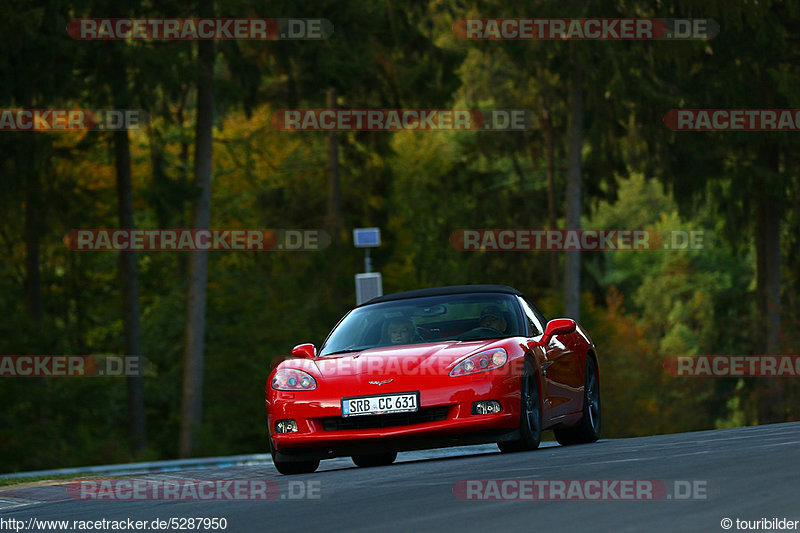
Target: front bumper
column 394, row 444
column 314, row 412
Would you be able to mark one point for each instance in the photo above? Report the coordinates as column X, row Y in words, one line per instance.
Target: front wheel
column 295, row 467
column 374, row 459
column 530, row 419
column 588, row 430
column 289, row 468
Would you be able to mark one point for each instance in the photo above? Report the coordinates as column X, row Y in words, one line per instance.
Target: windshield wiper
column 479, row 337
column 348, row 350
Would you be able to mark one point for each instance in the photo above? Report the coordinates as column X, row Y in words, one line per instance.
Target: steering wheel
column 425, row 333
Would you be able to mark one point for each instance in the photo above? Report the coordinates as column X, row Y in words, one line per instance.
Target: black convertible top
column 441, row 291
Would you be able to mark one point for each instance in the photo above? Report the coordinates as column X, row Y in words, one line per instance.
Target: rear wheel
column 375, row 459
column 588, row 430
column 530, row 420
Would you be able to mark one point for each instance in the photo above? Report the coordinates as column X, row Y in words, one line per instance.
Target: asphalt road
column 746, row 473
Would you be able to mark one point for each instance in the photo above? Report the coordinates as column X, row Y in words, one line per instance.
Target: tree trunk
column 192, row 407
column 551, row 189
column 572, row 263
column 768, row 276
column 547, row 123
column 183, row 180
column 129, row 278
column 33, row 282
column 333, row 215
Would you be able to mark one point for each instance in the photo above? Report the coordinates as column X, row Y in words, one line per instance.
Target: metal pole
column 367, row 262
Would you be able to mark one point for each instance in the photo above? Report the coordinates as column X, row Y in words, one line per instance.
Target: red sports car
column 432, row 368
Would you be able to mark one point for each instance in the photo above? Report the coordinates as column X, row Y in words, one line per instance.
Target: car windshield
column 457, row 317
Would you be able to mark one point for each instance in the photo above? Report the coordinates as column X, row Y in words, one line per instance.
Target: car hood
column 431, row 359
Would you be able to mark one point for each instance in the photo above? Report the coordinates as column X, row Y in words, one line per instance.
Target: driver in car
column 401, row 331
column 492, row 317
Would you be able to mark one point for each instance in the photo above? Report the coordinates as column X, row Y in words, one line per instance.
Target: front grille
column 426, row 414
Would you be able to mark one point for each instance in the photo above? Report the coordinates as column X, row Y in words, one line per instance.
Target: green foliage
column 419, row 187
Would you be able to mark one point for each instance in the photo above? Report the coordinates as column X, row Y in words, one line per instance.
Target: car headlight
column 481, row 362
column 291, row 379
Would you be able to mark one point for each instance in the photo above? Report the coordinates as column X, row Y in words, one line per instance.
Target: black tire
column 530, row 419
column 374, row 459
column 289, row 468
column 588, row 430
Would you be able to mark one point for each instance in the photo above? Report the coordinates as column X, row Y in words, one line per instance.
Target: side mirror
column 304, row 351
column 557, row 326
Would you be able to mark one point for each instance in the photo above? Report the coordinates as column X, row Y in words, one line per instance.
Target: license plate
column 407, row 402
